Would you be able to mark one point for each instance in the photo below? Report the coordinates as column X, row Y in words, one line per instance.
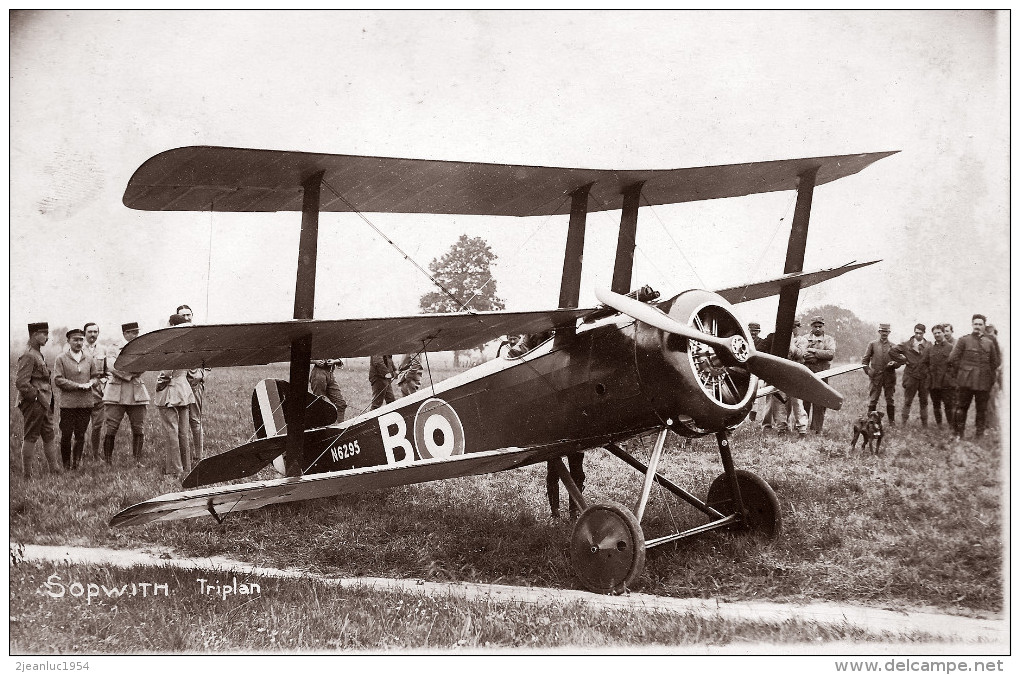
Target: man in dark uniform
column 940, row 384
column 880, row 369
column 915, row 376
column 821, row 349
column 322, row 382
column 409, row 374
column 380, row 375
column 974, row 362
column 35, row 400
column 125, row 394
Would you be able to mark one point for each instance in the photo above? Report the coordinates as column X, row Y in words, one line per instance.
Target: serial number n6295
column 345, row 450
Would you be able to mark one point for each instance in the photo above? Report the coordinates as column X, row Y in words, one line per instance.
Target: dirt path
column 981, row 635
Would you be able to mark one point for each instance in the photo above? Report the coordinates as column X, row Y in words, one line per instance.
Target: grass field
column 919, row 526
column 312, row 615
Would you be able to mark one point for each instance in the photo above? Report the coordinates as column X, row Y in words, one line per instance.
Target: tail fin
column 269, row 415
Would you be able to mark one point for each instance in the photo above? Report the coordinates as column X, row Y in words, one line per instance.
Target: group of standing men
column 94, row 392
column 816, row 351
column 952, row 372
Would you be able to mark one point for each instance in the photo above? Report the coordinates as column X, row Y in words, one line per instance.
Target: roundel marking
column 438, row 432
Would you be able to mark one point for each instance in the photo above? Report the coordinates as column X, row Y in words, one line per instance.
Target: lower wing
column 241, row 497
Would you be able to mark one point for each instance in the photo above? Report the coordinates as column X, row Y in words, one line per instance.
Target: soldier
column 174, row 399
column 783, row 405
column 380, row 374
column 762, row 345
column 940, row 384
column 949, row 392
column 974, row 363
column 196, row 378
column 75, row 374
column 35, row 400
column 880, row 369
column 818, row 354
column 322, row 382
column 98, row 355
column 125, row 394
column 993, row 394
column 409, row 374
column 915, row 377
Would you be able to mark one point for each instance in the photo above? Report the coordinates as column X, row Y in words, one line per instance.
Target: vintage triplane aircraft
column 607, row 373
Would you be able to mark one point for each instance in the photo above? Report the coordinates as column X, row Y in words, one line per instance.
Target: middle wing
column 245, row 344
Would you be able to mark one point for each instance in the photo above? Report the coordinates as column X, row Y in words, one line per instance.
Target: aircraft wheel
column 607, row 548
column 761, row 502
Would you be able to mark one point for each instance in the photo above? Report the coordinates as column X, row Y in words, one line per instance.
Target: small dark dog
column 869, row 425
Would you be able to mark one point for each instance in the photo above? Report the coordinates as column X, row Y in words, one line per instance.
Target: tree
column 465, row 272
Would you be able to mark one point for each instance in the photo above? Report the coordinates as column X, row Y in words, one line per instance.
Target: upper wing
column 242, row 344
column 230, row 498
column 770, row 287
column 207, row 178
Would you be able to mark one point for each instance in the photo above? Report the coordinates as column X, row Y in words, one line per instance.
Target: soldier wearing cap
column 915, row 376
column 97, row 352
column 818, row 355
column 974, row 362
column 762, row 345
column 35, row 400
column 940, row 383
column 75, row 374
column 784, row 405
column 174, row 399
column 881, row 370
column 125, row 394
column 196, row 378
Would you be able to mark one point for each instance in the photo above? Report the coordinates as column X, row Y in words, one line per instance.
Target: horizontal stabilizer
column 246, row 344
column 770, row 287
column 208, row 178
column 250, row 458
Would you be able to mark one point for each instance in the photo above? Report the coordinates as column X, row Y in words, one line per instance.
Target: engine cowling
column 699, row 390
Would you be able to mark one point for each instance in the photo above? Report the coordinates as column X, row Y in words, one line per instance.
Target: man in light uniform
column 782, row 409
column 818, row 355
column 125, row 394
column 196, row 378
column 75, row 374
column 97, row 353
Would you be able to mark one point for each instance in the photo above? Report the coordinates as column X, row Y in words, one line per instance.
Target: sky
column 95, row 94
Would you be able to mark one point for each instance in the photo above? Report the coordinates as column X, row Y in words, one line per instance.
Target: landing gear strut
column 607, row 544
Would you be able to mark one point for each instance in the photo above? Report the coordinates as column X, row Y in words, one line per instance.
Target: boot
column 53, row 456
column 136, row 445
column 890, row 414
column 27, row 457
column 108, row 442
